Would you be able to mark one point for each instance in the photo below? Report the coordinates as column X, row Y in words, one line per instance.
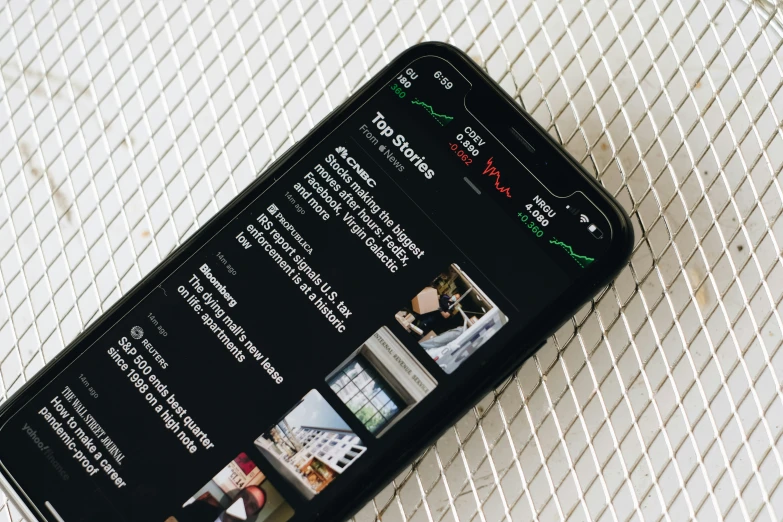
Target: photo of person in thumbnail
column 311, row 446
column 239, row 491
column 451, row 318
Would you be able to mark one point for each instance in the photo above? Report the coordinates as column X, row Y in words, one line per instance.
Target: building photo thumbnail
column 238, row 492
column 311, row 445
column 451, row 318
column 381, row 382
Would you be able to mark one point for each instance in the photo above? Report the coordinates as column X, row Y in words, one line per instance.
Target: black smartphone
column 336, row 317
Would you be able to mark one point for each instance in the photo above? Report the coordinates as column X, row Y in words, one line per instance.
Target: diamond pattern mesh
column 125, row 124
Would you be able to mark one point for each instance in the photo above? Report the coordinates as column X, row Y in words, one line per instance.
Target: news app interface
column 281, row 360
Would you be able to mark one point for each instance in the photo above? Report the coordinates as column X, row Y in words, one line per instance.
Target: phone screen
column 288, row 354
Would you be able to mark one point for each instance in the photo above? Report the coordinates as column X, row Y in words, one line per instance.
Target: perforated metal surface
column 125, row 124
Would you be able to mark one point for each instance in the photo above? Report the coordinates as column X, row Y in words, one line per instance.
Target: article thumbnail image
column 311, row 446
column 381, row 382
column 239, row 491
column 451, row 318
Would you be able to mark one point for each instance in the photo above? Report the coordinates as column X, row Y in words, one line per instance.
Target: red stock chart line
column 493, row 172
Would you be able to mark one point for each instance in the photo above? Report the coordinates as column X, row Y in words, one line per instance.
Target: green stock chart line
column 440, row 118
column 582, row 261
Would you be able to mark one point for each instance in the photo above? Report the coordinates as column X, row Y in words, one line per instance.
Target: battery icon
column 595, row 231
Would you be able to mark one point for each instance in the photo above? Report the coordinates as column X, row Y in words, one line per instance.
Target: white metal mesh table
column 125, row 124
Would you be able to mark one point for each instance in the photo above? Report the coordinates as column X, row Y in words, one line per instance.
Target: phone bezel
column 490, row 375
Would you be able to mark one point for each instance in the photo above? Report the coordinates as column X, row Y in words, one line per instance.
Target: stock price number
column 531, row 224
column 470, row 147
column 398, row 90
column 537, row 215
column 461, row 154
column 443, row 80
column 405, row 81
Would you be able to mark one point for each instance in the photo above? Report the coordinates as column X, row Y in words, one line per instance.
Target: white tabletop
column 124, row 125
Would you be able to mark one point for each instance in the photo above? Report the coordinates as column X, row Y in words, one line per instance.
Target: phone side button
column 53, row 511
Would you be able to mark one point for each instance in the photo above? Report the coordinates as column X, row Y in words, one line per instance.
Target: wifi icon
column 583, row 218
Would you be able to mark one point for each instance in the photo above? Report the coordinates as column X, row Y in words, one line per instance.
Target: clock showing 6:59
column 443, row 80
